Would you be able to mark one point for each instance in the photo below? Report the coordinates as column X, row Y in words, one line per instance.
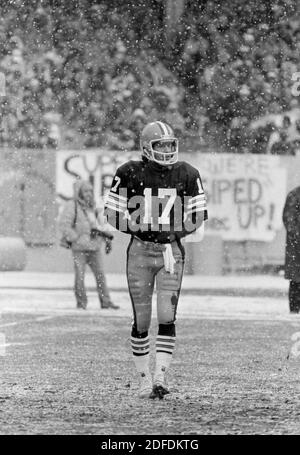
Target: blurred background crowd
column 91, row 73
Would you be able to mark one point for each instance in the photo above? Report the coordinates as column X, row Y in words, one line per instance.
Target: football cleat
column 145, row 386
column 109, row 305
column 81, row 306
column 159, row 391
column 160, row 388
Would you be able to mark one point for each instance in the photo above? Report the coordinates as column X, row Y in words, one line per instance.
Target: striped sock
column 164, row 350
column 140, row 350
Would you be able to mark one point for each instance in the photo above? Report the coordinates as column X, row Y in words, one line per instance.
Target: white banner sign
column 245, row 195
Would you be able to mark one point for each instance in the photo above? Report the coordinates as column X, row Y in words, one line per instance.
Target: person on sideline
column 158, row 200
column 79, row 225
column 291, row 221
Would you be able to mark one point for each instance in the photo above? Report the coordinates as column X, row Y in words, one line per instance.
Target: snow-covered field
column 66, row 371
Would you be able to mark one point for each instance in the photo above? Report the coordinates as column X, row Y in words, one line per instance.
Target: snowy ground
column 66, row 371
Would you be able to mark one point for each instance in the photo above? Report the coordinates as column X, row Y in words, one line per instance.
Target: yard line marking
column 3, row 347
column 38, row 319
column 43, row 318
column 184, row 315
column 8, row 324
column 12, row 344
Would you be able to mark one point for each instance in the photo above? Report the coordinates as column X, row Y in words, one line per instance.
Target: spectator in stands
column 82, row 64
column 286, row 123
column 291, row 221
column 81, row 230
column 263, row 137
column 293, row 131
column 282, row 137
column 283, row 146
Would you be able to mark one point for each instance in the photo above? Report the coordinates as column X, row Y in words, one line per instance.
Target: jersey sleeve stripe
column 198, row 197
column 117, row 202
column 115, row 208
column 197, row 204
column 196, row 209
column 117, row 196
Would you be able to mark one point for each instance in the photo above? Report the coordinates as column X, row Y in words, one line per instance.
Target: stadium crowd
column 91, row 73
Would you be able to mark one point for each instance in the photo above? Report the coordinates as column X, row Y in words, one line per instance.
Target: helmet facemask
column 164, row 157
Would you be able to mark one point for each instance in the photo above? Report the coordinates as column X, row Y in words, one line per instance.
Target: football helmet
column 159, row 144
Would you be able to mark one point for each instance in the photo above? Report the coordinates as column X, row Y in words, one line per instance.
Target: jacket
column 291, row 221
column 80, row 234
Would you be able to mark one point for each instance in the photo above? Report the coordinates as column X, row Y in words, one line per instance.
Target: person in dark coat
column 291, row 221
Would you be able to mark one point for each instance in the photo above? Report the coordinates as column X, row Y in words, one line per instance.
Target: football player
column 158, row 200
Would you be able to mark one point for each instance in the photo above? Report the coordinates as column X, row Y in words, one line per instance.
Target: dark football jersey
column 153, row 202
